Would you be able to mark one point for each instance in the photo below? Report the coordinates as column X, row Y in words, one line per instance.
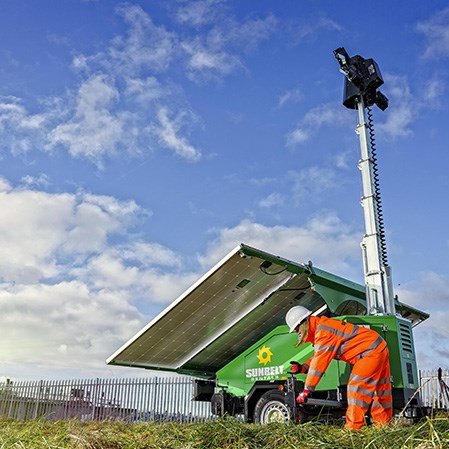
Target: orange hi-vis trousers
column 370, row 384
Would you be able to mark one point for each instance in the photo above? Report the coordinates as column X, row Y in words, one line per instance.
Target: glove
column 302, row 397
column 297, row 368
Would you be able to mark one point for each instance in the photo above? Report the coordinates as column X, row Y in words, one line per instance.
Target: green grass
column 222, row 434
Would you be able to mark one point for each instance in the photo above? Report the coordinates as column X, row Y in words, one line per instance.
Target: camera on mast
column 363, row 78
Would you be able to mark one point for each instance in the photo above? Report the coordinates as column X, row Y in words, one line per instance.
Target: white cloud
column 204, row 62
column 42, row 180
column 313, row 28
column 324, row 239
column 150, row 47
column 313, row 182
column 326, row 114
column 121, row 99
column 94, row 130
column 436, row 30
column 153, row 277
column 20, row 130
column 260, row 182
column 434, row 90
column 272, row 200
column 305, row 183
column 218, row 52
column 68, row 295
column 251, row 33
column 145, row 47
column 34, row 229
column 145, row 90
column 342, row 160
column 93, row 219
column 199, row 12
column 406, row 106
column 290, row 96
column 151, row 254
column 114, row 113
column 297, row 137
column 167, row 130
column 402, row 111
column 12, row 112
column 430, row 292
column 64, row 325
column 5, row 186
column 43, row 229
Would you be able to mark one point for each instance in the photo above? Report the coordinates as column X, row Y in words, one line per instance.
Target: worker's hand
column 302, row 397
column 296, row 367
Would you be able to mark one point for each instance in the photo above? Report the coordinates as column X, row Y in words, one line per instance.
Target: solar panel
column 218, row 302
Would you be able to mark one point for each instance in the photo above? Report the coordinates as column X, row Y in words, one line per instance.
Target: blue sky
column 142, row 141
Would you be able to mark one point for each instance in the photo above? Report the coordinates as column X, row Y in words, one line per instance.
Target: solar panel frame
column 217, row 302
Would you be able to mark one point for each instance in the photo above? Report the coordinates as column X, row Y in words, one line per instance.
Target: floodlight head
column 342, row 57
column 381, row 100
column 362, row 80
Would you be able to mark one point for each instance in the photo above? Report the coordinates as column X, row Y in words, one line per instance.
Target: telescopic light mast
column 362, row 80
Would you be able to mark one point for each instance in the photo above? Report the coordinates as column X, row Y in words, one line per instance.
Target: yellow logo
column 264, row 355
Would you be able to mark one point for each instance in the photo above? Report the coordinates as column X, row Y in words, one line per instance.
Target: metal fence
column 434, row 388
column 142, row 399
column 132, row 400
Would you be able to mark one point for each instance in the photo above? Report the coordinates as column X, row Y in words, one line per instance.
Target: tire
column 271, row 408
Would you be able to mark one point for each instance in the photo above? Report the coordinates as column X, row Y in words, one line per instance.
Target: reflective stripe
column 347, row 342
column 359, row 402
column 367, row 380
column 383, row 393
column 356, row 389
column 315, row 372
column 338, row 332
column 382, row 405
column 385, row 380
column 309, row 387
column 330, row 348
column 373, row 346
column 343, row 348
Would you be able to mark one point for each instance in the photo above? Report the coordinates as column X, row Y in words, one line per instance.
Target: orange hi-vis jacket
column 334, row 339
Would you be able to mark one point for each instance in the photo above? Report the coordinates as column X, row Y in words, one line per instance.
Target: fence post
column 38, row 396
column 155, row 398
column 94, row 398
column 11, row 393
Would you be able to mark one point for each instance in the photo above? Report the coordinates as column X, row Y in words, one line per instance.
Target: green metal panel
column 269, row 358
column 398, row 334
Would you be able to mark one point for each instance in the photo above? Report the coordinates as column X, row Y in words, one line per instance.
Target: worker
column 369, row 383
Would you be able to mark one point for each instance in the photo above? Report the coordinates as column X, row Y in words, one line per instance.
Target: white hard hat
column 295, row 315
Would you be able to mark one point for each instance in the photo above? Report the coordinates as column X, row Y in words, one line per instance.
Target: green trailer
column 228, row 330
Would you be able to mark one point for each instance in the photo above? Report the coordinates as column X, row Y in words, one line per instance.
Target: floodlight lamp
column 362, row 80
column 342, row 57
column 381, row 101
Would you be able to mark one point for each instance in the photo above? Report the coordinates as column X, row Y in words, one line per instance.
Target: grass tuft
column 222, row 434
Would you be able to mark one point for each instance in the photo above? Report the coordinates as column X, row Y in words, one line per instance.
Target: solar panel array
column 226, row 312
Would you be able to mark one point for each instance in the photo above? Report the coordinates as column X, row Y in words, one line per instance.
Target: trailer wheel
column 271, row 408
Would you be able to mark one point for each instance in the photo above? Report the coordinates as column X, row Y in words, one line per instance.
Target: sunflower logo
column 264, row 355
